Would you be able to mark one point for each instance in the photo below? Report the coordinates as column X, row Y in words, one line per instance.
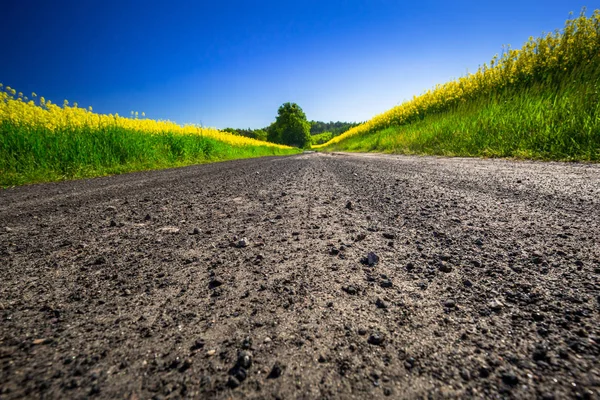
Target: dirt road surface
column 305, row 277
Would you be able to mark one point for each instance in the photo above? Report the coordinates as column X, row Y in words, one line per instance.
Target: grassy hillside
column 41, row 142
column 541, row 101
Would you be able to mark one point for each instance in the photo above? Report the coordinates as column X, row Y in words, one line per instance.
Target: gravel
column 137, row 311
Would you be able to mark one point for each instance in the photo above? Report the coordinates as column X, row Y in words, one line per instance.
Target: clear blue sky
column 233, row 63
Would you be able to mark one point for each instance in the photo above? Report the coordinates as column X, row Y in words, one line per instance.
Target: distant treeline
column 336, row 128
column 320, row 131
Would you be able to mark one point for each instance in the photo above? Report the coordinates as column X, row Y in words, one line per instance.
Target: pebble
column 244, row 359
column 386, row 283
column 196, row 231
column 350, row 290
column 247, row 343
column 8, row 229
column 449, row 303
column 380, row 303
column 111, row 209
column 376, row 339
column 484, row 372
column 198, row 344
column 389, row 235
column 214, row 283
column 510, row 378
column 113, row 223
column 372, row 259
column 362, row 331
column 276, row 371
column 268, row 340
column 211, row 353
column 243, row 242
column 496, row 305
column 445, row 267
column 187, row 363
column 349, row 205
column 148, row 217
column 232, row 382
column 239, row 373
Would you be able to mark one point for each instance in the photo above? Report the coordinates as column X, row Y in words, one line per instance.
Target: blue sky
column 233, row 63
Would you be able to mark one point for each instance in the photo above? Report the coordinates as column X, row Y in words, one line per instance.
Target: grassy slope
column 559, row 122
column 554, row 115
column 30, row 155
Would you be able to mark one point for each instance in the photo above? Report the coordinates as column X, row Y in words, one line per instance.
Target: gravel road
column 317, row 276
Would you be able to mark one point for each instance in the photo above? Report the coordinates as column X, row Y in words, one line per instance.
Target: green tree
column 290, row 127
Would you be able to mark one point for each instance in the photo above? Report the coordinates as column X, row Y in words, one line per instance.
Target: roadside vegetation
column 541, row 101
column 41, row 142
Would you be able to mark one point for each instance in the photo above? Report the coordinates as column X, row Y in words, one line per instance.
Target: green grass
column 553, row 117
column 31, row 155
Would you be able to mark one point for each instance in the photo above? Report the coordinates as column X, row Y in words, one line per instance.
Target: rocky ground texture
column 312, row 276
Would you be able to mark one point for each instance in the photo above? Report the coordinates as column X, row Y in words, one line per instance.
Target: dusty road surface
column 254, row 279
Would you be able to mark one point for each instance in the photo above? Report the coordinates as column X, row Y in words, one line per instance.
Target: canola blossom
column 43, row 113
column 577, row 44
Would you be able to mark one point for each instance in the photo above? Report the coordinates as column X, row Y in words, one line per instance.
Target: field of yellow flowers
column 41, row 141
column 541, row 101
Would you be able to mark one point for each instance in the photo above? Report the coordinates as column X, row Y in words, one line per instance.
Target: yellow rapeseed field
column 22, row 111
column 578, row 43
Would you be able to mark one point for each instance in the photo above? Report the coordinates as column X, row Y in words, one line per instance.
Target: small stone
column 243, row 242
column 8, row 229
column 169, row 229
column 276, row 371
column 215, row 283
column 376, row 339
column 389, row 235
column 478, row 242
column 484, row 372
column 349, row 205
column 211, row 353
column 496, row 305
column 510, row 378
column 322, row 359
column 239, row 373
column 187, row 363
column 334, row 251
column 409, row 363
column 196, row 231
column 110, row 209
column 198, row 344
column 232, row 382
column 42, row 341
column 351, row 290
column 267, row 340
column 247, row 343
column 449, row 303
column 372, row 259
column 540, row 353
column 465, row 374
column 148, row 217
column 244, row 359
column 362, row 331
column 113, row 223
column 386, row 283
column 380, row 303
column 467, row 283
column 100, row 260
column 444, row 267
